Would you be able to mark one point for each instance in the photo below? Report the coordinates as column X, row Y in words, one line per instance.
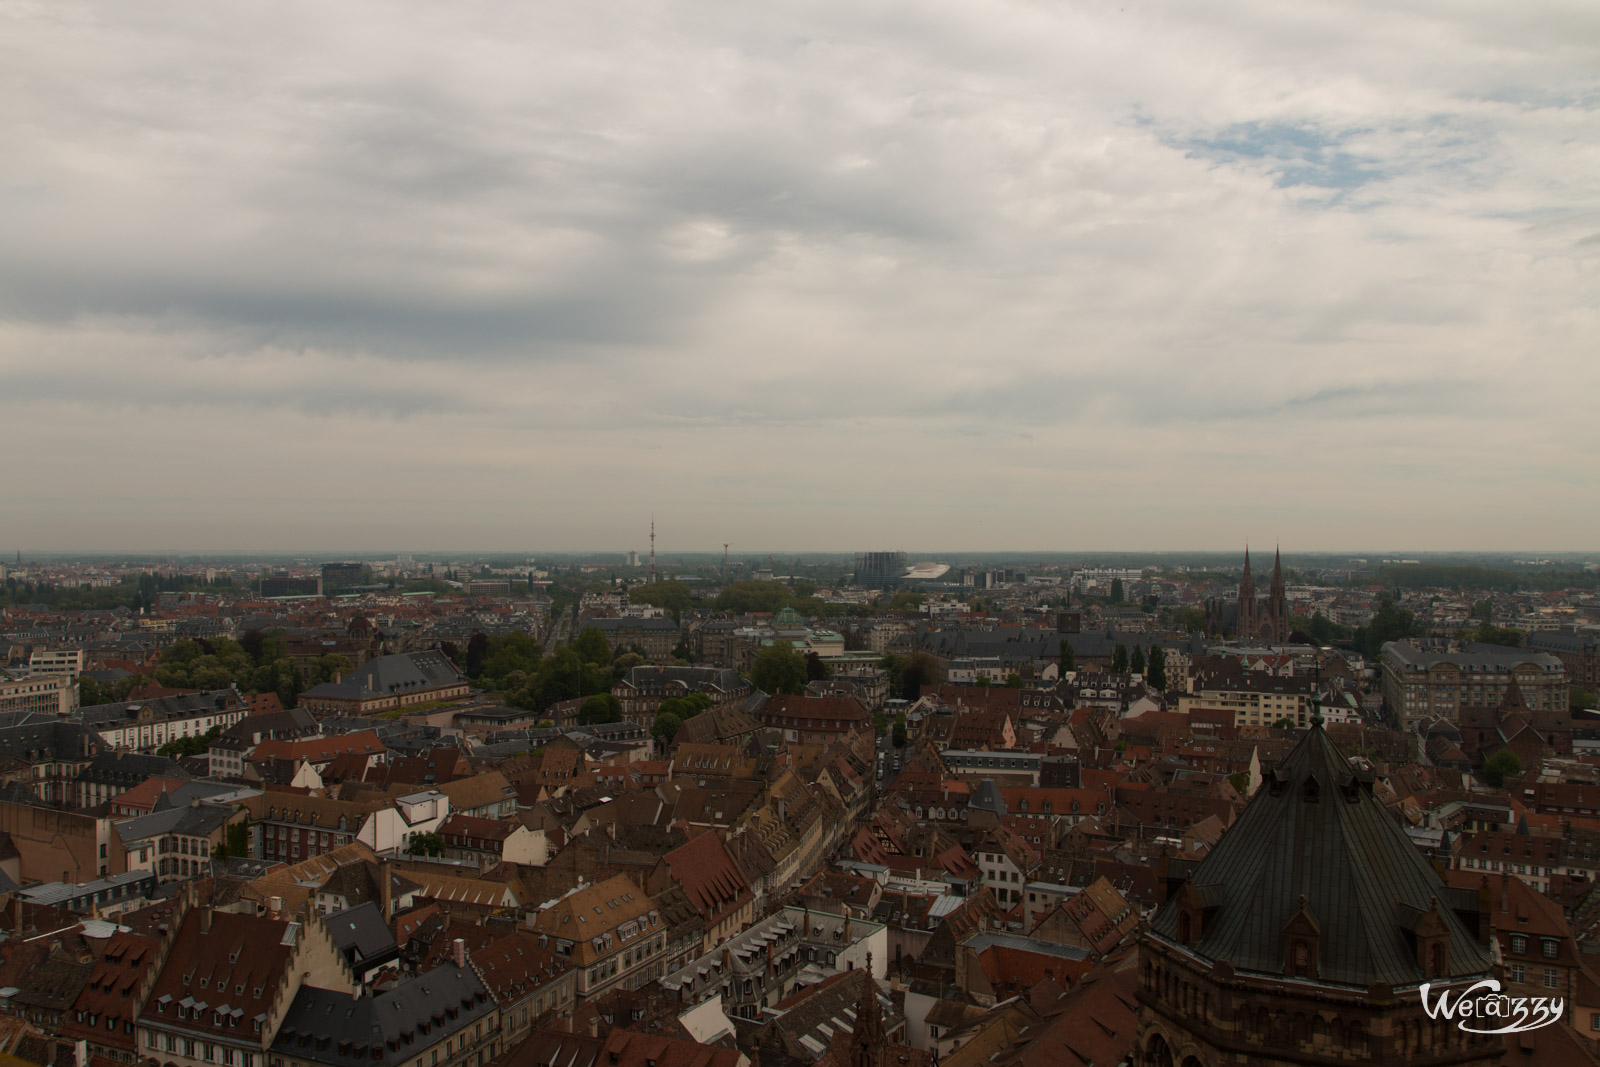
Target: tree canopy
column 591, row 646
column 671, row 596
column 601, row 707
column 1156, row 676
column 1391, row 623
column 1500, row 766
column 778, row 668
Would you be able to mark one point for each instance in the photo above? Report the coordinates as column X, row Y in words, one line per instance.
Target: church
column 1252, row 618
column 1305, row 935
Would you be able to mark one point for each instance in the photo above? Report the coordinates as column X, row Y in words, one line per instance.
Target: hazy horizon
column 711, row 555
column 822, row 273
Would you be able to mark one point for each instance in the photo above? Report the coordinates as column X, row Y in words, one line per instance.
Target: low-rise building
column 224, row 983
column 46, row 694
column 387, row 683
column 611, row 932
column 176, row 844
column 146, row 725
column 444, row 1017
column 792, row 948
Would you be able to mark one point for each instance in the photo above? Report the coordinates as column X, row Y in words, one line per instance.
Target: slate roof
column 196, row 820
column 408, row 672
column 342, row 1029
column 1315, row 834
column 129, row 768
column 178, row 706
column 360, row 932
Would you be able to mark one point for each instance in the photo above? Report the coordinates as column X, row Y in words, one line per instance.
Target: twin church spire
column 1263, row 619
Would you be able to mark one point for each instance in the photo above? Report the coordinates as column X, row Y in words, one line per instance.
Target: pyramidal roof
column 1313, row 838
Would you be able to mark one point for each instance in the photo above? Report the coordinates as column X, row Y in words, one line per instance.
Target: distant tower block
column 880, row 568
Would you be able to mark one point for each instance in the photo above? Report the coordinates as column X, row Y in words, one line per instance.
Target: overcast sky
column 825, row 275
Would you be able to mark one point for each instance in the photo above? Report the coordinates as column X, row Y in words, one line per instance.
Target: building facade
column 1420, row 684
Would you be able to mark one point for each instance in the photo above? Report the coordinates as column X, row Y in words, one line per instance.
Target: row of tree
column 256, row 663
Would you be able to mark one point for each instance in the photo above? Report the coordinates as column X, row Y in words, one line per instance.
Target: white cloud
column 800, row 274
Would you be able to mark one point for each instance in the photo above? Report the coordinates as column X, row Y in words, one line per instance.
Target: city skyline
column 817, row 274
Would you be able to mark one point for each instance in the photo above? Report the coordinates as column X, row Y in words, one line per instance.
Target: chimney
column 458, row 950
column 205, row 919
column 386, row 889
column 275, row 906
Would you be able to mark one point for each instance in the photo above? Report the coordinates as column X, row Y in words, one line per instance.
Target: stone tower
column 1277, row 621
column 1247, row 601
column 1304, row 935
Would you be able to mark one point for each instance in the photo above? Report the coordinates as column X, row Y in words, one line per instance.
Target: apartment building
column 1255, row 700
column 44, row 694
column 1421, row 684
column 611, row 932
column 146, row 725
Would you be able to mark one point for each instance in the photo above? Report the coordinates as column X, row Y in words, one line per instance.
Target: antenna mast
column 725, row 561
column 652, row 550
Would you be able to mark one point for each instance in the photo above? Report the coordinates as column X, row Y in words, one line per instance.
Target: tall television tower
column 652, row 550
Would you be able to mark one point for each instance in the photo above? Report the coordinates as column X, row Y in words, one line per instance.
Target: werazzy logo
column 1479, row 1007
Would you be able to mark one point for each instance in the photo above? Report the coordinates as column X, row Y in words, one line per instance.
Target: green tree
column 898, row 737
column 1116, row 590
column 685, row 708
column 1013, row 681
column 625, row 663
column 1582, row 699
column 1391, row 623
column 1069, row 662
column 1192, row 620
column 894, row 666
column 1500, row 766
column 1494, row 635
column 1483, row 610
column 920, row 670
column 665, row 727
column 1119, row 659
column 477, row 649
column 906, row 600
column 506, row 654
column 743, row 598
column 816, row 670
column 180, row 747
column 1156, row 677
column 237, row 840
column 426, row 845
column 591, row 647
column 602, row 707
column 1136, row 660
column 330, row 667
column 671, row 596
column 778, row 668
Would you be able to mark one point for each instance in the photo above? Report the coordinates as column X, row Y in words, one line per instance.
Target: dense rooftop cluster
column 1084, row 820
